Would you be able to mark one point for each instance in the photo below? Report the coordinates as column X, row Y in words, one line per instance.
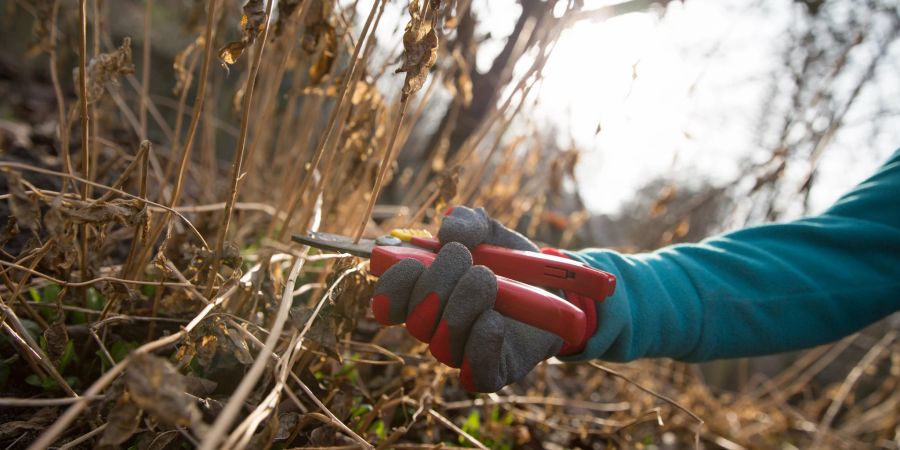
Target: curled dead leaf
column 56, row 337
column 105, row 69
column 122, row 422
column 253, row 23
column 24, row 208
column 14, row 429
column 420, row 45
column 156, row 387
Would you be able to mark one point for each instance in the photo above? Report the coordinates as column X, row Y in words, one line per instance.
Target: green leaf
column 119, row 350
column 148, row 290
column 95, row 301
column 51, row 292
column 472, row 425
column 34, row 294
column 32, row 328
column 378, row 428
column 67, row 356
column 361, row 410
column 73, row 381
column 33, row 380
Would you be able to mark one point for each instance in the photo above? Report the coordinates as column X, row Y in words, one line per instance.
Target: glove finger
column 481, row 369
column 467, row 226
column 474, row 226
column 393, row 290
column 433, row 289
column 474, row 294
column 501, row 351
column 502, row 236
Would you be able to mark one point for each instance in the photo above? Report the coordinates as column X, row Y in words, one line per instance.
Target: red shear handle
column 515, row 300
column 538, row 269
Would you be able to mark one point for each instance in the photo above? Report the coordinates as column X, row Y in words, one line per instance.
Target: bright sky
column 701, row 77
column 702, row 73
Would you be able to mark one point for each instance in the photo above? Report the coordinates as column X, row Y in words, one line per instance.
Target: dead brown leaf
column 156, row 387
column 253, row 23
column 122, row 422
column 420, row 44
column 56, row 338
column 37, row 422
column 64, row 252
column 105, row 69
column 322, row 330
column 24, row 208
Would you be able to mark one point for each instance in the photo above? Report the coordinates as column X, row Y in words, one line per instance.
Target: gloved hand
column 450, row 306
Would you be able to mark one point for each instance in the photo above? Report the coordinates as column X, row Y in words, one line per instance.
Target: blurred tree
column 832, row 54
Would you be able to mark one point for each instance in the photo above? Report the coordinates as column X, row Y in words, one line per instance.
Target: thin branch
column 662, row 397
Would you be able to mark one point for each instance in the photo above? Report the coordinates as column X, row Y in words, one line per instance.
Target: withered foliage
column 105, row 69
column 156, row 387
column 420, row 45
column 319, row 38
column 253, row 22
column 94, row 285
column 41, row 40
column 124, row 419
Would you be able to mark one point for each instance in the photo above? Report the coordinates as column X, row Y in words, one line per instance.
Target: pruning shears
column 518, row 275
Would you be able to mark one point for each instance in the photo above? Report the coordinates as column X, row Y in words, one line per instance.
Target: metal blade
column 337, row 243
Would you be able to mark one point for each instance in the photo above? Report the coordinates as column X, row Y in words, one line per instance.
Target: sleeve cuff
column 583, row 303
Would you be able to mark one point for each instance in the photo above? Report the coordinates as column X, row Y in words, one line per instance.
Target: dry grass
column 163, row 304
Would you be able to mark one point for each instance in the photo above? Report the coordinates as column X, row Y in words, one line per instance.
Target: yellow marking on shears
column 405, row 234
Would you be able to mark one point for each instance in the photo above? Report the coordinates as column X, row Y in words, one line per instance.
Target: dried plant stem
column 63, row 125
column 42, row 402
column 92, row 281
column 62, row 423
column 854, row 376
column 332, row 120
column 85, row 131
column 219, row 428
column 179, row 112
column 387, row 157
column 17, row 289
column 269, row 106
column 155, row 232
column 84, row 437
column 240, row 152
column 662, row 397
column 104, row 187
column 197, row 109
column 145, row 70
column 83, row 97
column 449, row 424
column 14, row 326
column 139, row 229
column 344, row 111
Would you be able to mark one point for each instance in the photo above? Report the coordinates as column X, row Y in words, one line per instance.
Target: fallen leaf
column 56, row 338
column 122, row 422
column 322, row 329
column 37, row 422
column 156, row 387
column 24, row 208
column 105, row 69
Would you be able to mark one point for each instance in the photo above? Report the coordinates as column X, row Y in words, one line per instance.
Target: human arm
column 758, row 290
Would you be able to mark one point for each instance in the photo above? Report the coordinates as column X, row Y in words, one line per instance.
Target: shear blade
column 337, row 243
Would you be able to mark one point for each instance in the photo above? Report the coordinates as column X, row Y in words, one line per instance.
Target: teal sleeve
column 758, row 290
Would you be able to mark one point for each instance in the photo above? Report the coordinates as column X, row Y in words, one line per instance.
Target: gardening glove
column 450, row 306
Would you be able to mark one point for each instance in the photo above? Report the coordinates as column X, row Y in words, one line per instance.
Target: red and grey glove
column 450, row 306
